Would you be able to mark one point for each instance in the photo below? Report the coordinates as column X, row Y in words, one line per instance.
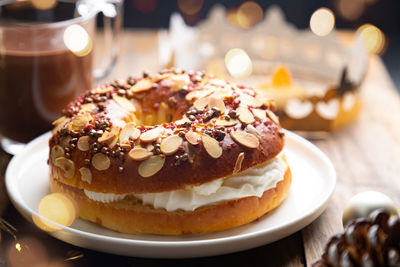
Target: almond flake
column 83, row 143
column 238, row 164
column 179, row 80
column 189, row 151
column 102, row 90
column 107, row 137
column 87, row 108
column 80, row 121
column 198, row 94
column 139, row 153
column 272, row 116
column 251, row 129
column 193, row 138
column 216, row 102
column 212, row 146
column 59, row 120
column 223, row 122
column 259, row 114
column 248, row 100
column 245, row 115
column 158, row 77
column 56, row 152
column 171, row 144
column 142, row 86
column 201, row 103
column 217, row 82
column 129, row 132
column 151, row 166
column 124, row 102
column 67, row 166
column 65, row 141
column 182, row 121
column 86, row 175
column 60, row 126
column 101, row 162
column 151, row 135
column 245, row 139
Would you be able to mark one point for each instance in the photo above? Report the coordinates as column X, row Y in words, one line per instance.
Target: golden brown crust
column 190, row 164
column 129, row 216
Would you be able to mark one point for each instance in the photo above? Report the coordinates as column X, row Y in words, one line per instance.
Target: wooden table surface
column 366, row 156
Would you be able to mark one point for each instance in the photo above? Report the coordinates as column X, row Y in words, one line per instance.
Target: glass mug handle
column 112, row 20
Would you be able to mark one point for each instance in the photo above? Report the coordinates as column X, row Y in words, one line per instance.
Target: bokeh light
column 56, row 211
column 190, row 7
column 145, row 6
column 248, row 14
column 351, row 9
column 238, row 63
column 322, row 21
column 77, row 40
column 373, row 37
column 28, row 251
column 43, row 4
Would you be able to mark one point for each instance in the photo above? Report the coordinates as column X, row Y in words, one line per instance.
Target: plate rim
column 303, row 221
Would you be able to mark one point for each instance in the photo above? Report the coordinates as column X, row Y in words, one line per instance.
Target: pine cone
column 365, row 242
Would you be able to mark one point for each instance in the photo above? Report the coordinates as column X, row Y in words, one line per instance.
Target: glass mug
column 46, row 60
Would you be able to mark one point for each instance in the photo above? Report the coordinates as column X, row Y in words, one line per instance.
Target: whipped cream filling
column 251, row 182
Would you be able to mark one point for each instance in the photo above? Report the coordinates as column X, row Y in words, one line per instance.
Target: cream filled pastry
column 173, row 153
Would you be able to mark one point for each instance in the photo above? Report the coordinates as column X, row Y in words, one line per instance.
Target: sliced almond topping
column 189, row 151
column 248, row 100
column 151, row 166
column 60, row 126
column 87, row 108
column 59, row 120
column 158, row 77
column 198, row 94
column 217, row 82
column 245, row 139
column 129, row 132
column 245, row 115
column 101, row 162
column 251, row 129
column 67, row 166
column 182, row 121
column 238, row 164
column 102, row 90
column 86, row 175
column 139, row 153
column 150, row 147
column 151, row 135
column 201, row 103
column 223, row 122
column 216, row 102
column 179, row 80
column 65, row 141
column 272, row 116
column 171, row 144
column 124, row 102
column 142, row 86
column 193, row 138
column 259, row 114
column 83, row 143
column 107, row 137
column 212, row 146
column 56, row 152
column 80, row 121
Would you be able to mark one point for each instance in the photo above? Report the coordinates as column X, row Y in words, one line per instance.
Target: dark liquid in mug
column 35, row 88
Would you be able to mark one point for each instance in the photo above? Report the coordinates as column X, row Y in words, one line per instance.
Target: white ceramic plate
column 313, row 184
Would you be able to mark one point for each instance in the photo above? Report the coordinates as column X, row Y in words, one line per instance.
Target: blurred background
column 349, row 14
